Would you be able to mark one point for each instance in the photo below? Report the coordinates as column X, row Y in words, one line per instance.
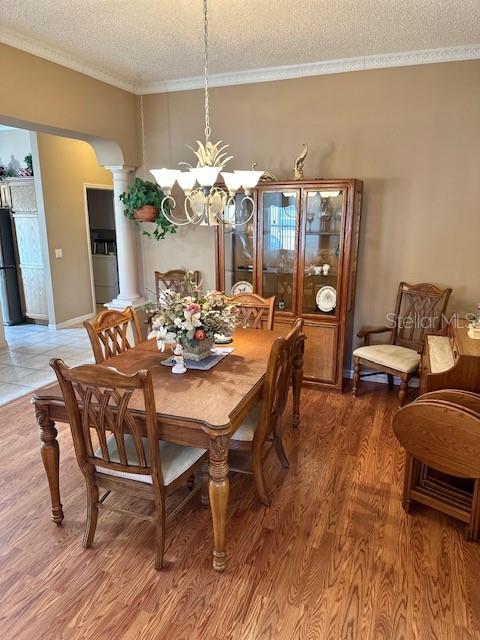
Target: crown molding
column 19, row 41
column 327, row 67
column 265, row 74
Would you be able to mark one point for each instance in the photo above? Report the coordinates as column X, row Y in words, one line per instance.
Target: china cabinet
column 300, row 246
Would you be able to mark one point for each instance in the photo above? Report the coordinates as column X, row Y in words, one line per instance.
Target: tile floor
column 24, row 362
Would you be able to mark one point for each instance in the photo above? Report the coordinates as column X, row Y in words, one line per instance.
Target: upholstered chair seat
column 246, row 430
column 175, row 459
column 391, row 356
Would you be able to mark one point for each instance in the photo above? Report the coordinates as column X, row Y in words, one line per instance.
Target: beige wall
column 412, row 134
column 41, row 95
column 65, row 166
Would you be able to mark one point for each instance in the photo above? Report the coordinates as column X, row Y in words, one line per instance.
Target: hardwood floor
column 334, row 557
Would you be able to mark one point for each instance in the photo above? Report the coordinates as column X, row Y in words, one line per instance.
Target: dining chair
column 253, row 311
column 108, row 333
column 175, row 279
column 97, row 401
column 262, row 426
column 420, row 309
column 440, row 431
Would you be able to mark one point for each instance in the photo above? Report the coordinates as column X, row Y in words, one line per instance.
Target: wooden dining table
column 199, row 409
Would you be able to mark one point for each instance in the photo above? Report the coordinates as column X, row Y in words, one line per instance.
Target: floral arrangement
column 190, row 319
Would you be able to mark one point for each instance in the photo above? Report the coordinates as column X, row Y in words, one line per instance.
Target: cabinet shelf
column 323, row 233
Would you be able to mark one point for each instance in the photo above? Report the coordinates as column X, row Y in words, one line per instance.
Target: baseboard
column 382, row 378
column 68, row 323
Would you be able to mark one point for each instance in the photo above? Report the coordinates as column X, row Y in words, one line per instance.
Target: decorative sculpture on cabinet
column 298, row 167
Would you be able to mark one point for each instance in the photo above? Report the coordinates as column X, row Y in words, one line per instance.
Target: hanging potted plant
column 143, row 202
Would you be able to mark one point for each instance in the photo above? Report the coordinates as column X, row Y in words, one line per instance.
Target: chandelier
column 205, row 202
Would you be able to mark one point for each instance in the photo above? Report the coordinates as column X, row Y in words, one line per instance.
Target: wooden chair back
column 253, row 311
column 442, row 434
column 108, row 333
column 278, row 378
column 97, row 402
column 419, row 310
column 294, row 341
column 175, row 280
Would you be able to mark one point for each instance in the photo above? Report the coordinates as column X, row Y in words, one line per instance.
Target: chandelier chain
column 205, row 42
column 142, row 134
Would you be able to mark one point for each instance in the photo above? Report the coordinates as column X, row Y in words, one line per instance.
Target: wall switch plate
column 58, row 253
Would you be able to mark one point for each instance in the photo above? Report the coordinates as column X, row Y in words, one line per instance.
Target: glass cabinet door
column 323, row 227
column 279, row 224
column 239, row 253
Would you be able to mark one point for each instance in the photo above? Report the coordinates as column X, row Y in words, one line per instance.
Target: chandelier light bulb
column 165, row 177
column 232, row 182
column 249, row 179
column 186, row 180
column 206, row 176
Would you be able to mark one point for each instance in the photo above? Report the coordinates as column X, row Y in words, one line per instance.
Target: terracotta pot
column 147, row 213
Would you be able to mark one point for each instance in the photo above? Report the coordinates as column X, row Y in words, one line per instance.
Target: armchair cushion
column 246, row 430
column 175, row 459
column 391, row 356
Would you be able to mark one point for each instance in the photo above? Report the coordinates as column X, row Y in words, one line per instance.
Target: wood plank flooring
column 334, row 557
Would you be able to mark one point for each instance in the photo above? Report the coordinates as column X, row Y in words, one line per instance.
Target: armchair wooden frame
column 108, row 333
column 253, row 310
column 440, row 430
column 97, row 401
column 419, row 309
column 268, row 431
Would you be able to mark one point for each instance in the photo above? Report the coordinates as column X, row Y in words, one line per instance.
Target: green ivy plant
column 141, row 193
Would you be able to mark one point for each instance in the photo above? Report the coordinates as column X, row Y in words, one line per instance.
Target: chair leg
column 403, row 389
column 257, row 463
column 280, row 451
column 92, row 514
column 159, row 533
column 205, row 483
column 356, row 376
column 390, row 380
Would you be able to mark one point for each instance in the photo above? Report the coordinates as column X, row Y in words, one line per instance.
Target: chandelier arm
column 246, row 199
column 226, row 219
column 172, row 219
column 196, row 218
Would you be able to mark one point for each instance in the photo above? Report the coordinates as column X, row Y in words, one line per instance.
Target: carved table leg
column 297, row 379
column 218, row 491
column 50, row 457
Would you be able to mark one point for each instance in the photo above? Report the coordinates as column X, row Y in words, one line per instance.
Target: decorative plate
column 326, row 299
column 242, row 286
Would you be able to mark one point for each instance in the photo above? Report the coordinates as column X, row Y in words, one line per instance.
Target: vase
column 147, row 213
column 196, row 349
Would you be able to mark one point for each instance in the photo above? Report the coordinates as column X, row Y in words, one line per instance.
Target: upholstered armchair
column 419, row 310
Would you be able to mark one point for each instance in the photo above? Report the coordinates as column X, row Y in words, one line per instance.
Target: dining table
column 198, row 409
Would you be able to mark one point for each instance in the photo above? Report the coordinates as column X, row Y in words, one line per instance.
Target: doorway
column 100, row 219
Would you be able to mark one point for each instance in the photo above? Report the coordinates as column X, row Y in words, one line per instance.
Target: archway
column 109, row 155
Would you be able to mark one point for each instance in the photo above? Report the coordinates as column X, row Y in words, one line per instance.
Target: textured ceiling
column 145, row 41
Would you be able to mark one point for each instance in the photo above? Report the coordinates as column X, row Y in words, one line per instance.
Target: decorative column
column 126, row 244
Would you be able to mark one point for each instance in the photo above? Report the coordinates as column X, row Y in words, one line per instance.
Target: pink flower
column 193, row 308
column 200, row 334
